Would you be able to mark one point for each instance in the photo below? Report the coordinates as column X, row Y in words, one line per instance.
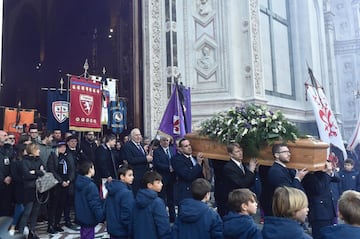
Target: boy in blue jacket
column 119, row 204
column 348, row 176
column 150, row 218
column 349, row 211
column 89, row 208
column 242, row 203
column 195, row 219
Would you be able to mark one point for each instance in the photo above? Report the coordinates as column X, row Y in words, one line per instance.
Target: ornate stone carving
column 154, row 82
column 206, row 58
column 256, row 54
column 204, row 7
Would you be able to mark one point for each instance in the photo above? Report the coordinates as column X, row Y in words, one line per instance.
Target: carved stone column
column 155, row 97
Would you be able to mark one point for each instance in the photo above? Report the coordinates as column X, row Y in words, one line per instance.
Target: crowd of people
column 158, row 189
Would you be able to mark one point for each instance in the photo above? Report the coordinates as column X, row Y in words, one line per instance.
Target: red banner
column 85, row 104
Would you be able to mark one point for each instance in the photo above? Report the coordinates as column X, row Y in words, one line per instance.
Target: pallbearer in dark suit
column 279, row 175
column 136, row 156
column 162, row 164
column 236, row 174
column 317, row 186
column 187, row 168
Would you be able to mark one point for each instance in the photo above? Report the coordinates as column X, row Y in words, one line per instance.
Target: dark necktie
column 168, row 153
column 141, row 149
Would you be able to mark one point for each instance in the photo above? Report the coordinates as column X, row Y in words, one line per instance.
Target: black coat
column 6, row 156
column 235, row 178
column 105, row 164
column 55, row 165
column 30, row 164
column 88, row 150
column 137, row 159
column 318, row 190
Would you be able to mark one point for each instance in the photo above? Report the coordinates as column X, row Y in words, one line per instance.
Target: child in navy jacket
column 349, row 211
column 290, row 208
column 196, row 219
column 150, row 218
column 89, row 208
column 119, row 204
column 242, row 203
column 348, row 176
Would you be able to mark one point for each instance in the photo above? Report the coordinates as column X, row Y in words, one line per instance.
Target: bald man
column 6, row 156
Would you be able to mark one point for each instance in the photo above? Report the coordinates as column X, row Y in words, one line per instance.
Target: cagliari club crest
column 86, row 103
column 60, row 110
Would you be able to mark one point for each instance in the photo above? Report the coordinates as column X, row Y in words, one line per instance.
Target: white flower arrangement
column 251, row 126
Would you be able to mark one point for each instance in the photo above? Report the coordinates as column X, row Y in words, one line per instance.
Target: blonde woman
column 290, row 208
column 32, row 167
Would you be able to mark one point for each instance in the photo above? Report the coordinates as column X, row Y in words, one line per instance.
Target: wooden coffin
column 305, row 153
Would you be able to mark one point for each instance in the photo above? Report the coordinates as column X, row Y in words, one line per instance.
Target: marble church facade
column 233, row 52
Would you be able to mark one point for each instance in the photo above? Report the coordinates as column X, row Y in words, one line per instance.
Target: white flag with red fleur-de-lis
column 328, row 128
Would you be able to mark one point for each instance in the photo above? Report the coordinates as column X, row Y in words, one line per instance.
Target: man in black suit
column 162, row 164
column 187, row 169
column 236, row 174
column 105, row 162
column 88, row 146
column 279, row 175
column 137, row 157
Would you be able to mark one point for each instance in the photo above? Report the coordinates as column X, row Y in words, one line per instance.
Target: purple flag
column 185, row 100
column 178, row 111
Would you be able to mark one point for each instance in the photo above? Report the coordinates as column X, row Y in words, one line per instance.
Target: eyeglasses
column 285, row 151
column 12, row 138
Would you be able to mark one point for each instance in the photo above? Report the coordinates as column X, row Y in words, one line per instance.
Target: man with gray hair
column 137, row 157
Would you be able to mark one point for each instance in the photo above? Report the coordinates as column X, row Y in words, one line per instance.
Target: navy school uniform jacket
column 340, row 231
column 118, row 206
column 318, row 190
column 197, row 220
column 247, row 230
column 150, row 218
column 348, row 180
column 283, row 228
column 89, row 208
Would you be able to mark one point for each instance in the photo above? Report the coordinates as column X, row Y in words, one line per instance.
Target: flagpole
column 181, row 99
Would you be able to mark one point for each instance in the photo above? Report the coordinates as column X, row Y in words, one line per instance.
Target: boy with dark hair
column 150, row 218
column 349, row 211
column 119, row 204
column 348, row 176
column 196, row 219
column 242, row 203
column 89, row 208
